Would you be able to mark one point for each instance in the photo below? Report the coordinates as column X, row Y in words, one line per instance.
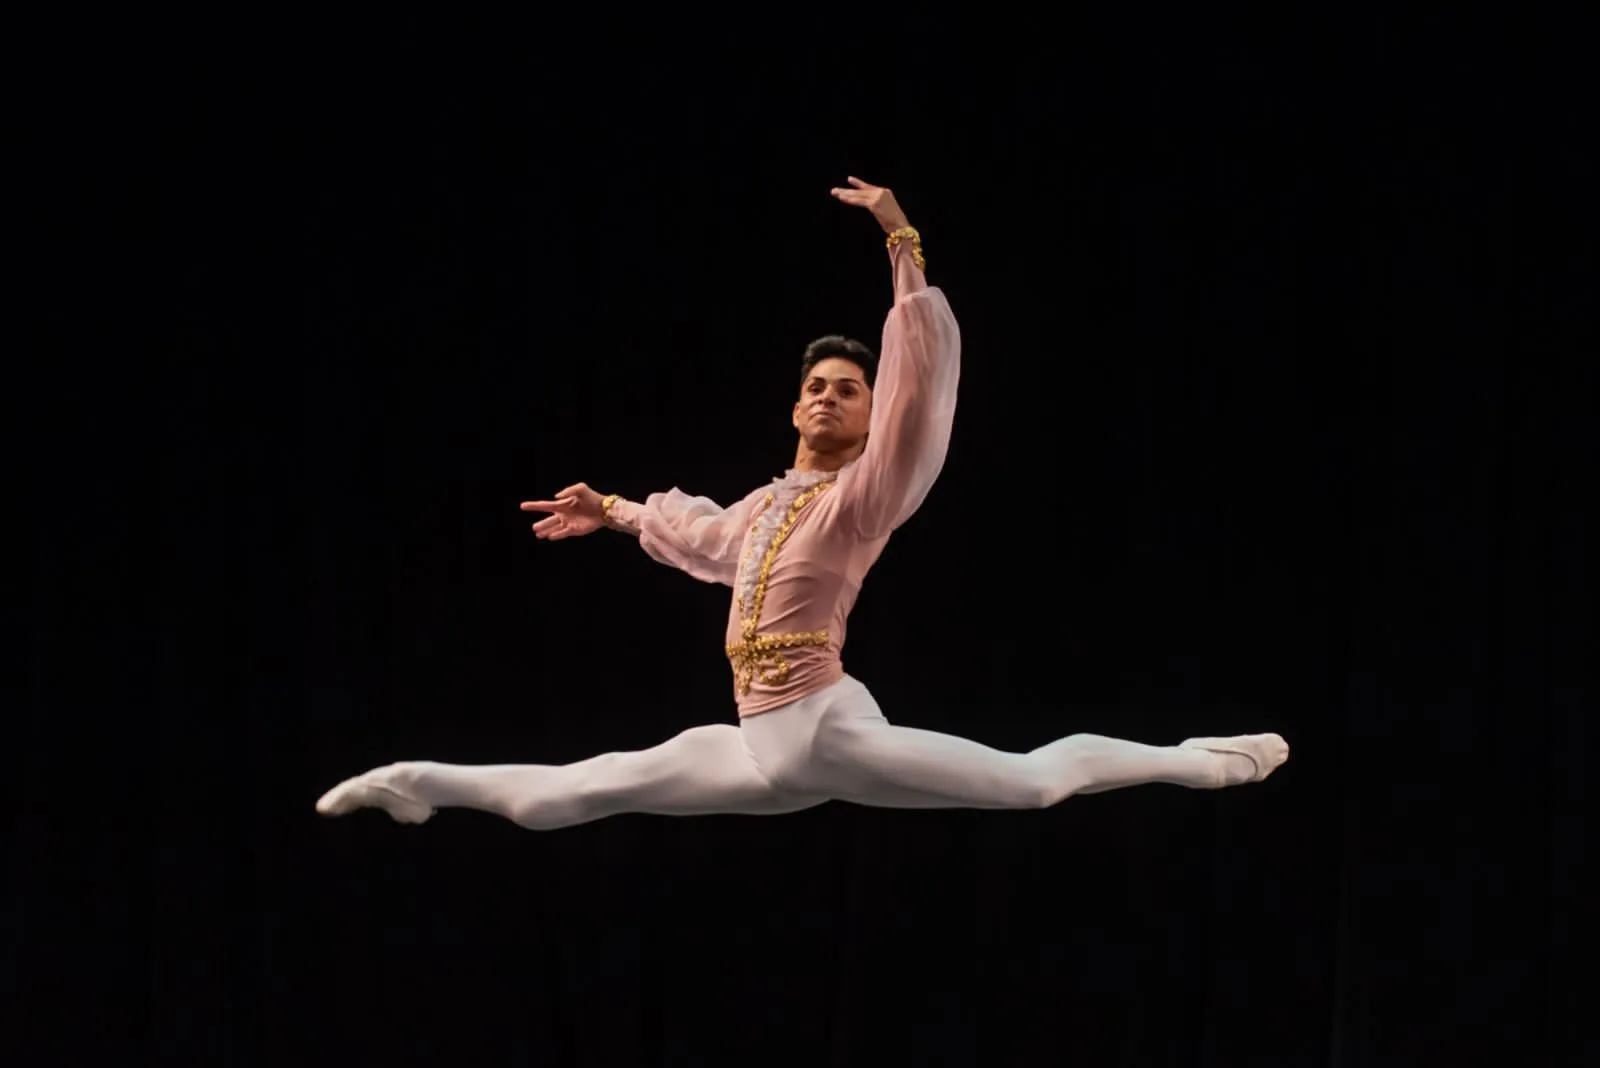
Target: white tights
column 832, row 745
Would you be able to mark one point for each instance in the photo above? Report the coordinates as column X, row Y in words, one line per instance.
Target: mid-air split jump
column 873, row 434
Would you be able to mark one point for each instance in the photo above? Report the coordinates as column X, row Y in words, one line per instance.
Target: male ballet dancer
column 795, row 553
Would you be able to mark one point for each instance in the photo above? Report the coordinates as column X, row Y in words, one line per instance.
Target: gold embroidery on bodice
column 760, row 658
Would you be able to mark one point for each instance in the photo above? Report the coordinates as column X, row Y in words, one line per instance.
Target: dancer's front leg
column 703, row 771
column 856, row 755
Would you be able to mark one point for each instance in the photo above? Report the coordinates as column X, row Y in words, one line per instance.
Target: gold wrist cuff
column 896, row 236
column 605, row 507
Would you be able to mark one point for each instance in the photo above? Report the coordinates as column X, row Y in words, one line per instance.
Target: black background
column 1275, row 413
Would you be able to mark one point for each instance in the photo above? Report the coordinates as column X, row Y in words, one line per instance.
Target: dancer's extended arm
column 693, row 534
column 696, row 535
column 914, row 398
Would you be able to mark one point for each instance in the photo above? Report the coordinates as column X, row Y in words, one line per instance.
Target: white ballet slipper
column 1266, row 751
column 374, row 789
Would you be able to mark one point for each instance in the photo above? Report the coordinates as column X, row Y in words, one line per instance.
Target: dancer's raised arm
column 693, row 534
column 914, row 400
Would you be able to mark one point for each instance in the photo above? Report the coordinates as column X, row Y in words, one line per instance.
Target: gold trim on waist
column 759, row 659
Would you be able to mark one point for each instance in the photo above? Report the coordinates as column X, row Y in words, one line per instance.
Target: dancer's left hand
column 876, row 199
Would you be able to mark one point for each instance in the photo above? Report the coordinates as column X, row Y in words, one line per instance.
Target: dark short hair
column 836, row 345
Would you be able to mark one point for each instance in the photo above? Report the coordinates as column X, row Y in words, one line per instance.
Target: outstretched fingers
column 560, row 504
column 548, row 527
column 563, row 500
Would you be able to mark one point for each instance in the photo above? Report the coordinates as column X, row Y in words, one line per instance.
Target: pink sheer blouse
column 796, row 551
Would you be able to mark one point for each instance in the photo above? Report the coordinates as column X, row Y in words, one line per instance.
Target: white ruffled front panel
column 784, row 491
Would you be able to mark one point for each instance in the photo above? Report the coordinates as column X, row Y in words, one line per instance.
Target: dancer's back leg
column 703, row 771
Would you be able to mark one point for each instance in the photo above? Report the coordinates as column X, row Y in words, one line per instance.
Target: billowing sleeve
column 693, row 534
column 913, row 407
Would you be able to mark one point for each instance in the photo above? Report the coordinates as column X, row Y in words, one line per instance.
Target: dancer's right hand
column 574, row 512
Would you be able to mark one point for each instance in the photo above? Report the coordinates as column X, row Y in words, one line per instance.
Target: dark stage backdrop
column 1275, row 415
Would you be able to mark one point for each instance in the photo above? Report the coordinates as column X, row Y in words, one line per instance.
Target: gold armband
column 901, row 234
column 605, row 507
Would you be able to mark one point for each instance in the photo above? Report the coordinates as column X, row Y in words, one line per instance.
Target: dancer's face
column 835, row 405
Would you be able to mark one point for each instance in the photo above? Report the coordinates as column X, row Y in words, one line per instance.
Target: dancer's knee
column 549, row 811
column 1050, row 794
column 538, row 816
column 1061, row 769
column 566, row 800
column 1042, row 787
